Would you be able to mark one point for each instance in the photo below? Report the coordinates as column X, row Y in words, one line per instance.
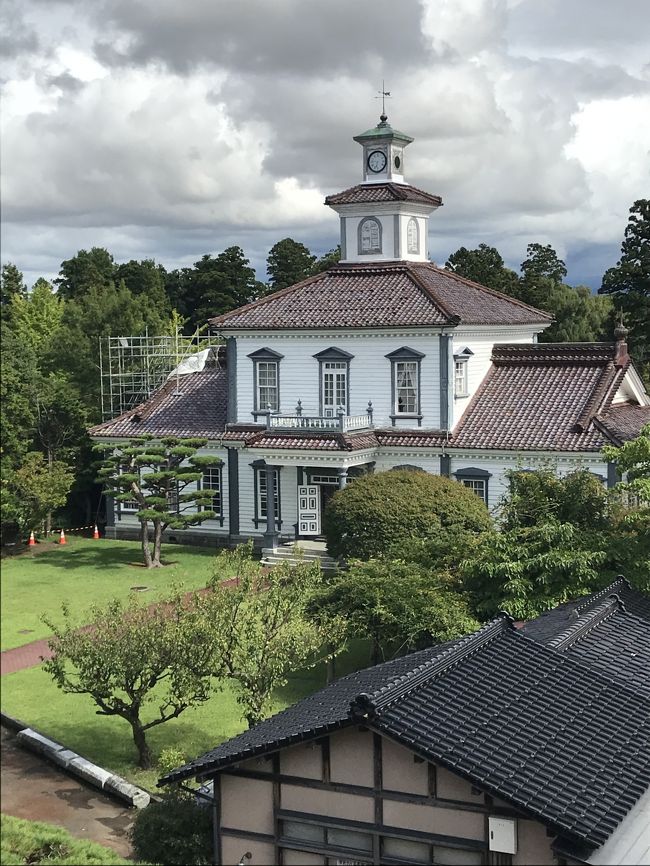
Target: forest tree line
column 50, row 384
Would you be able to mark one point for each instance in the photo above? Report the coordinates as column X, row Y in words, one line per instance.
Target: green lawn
column 32, row 697
column 89, row 571
column 34, row 842
column 86, row 572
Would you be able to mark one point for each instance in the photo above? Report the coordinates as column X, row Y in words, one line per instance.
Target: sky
column 166, row 130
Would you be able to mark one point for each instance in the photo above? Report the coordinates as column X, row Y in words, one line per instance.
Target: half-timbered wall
column 357, row 797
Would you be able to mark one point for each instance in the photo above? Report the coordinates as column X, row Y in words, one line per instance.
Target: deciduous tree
column 87, row 269
column 11, row 283
column 262, row 627
column 146, row 665
column 397, row 605
column 484, row 265
column 41, row 487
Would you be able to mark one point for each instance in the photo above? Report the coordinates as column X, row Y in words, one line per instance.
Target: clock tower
column 383, row 152
column 383, row 218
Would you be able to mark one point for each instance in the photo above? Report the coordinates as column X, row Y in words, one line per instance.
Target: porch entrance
column 312, row 499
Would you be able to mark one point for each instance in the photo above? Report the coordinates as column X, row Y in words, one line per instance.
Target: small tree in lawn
column 157, row 475
column 40, row 487
column 146, row 665
column 262, row 628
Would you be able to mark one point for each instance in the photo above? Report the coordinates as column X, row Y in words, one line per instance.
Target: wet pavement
column 34, row 789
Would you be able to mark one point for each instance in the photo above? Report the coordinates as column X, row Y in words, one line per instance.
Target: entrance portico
column 301, row 492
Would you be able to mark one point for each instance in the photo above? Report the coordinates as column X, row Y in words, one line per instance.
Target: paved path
column 34, row 789
column 26, row 656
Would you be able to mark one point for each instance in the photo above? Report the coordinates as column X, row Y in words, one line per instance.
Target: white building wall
column 370, row 373
column 499, row 465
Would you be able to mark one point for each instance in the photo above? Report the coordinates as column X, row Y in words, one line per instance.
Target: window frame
column 259, row 469
column 270, row 357
column 329, row 356
column 473, row 475
column 461, row 361
column 210, row 470
column 405, row 354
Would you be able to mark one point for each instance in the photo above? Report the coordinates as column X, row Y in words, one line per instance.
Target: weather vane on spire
column 383, row 93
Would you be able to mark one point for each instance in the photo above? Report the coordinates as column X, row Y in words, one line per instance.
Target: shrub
column 375, row 512
column 177, row 830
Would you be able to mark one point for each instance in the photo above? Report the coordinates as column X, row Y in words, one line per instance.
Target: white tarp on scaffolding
column 193, row 364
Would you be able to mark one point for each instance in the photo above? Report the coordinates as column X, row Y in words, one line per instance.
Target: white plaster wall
column 370, row 373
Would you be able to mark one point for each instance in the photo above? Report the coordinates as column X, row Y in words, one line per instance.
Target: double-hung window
column 476, row 480
column 261, row 494
column 405, row 375
column 266, row 378
column 461, row 366
column 212, row 481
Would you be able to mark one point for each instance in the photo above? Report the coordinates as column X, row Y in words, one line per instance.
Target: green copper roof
column 383, row 130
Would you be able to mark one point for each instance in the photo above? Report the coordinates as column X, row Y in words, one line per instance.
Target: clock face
column 377, row 161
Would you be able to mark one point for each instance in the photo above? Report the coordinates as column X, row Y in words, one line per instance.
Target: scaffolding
column 133, row 367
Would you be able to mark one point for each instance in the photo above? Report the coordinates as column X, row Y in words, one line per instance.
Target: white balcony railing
column 340, row 423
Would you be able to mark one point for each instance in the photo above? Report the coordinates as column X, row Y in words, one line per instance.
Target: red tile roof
column 541, row 397
column 623, row 421
column 196, row 407
column 380, row 192
column 392, row 294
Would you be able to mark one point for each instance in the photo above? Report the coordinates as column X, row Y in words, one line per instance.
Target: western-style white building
column 385, row 360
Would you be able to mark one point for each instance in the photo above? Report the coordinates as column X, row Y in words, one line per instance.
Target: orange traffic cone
column 96, row 532
column 32, row 540
column 62, row 539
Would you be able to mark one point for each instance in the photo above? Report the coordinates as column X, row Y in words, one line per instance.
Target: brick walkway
column 30, row 654
column 26, row 656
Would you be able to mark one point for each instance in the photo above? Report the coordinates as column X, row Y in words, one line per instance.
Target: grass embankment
column 85, row 572
column 35, row 843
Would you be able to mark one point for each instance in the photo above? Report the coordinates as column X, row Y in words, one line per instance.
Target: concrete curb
column 77, row 765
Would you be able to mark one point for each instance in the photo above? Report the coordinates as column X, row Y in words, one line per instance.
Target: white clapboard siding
column 499, row 467
column 370, row 373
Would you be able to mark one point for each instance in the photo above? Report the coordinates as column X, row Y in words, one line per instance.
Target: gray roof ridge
column 502, row 295
column 367, row 705
column 586, row 622
column 431, row 295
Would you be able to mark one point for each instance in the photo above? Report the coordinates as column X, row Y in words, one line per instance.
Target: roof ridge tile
column 366, row 705
column 587, row 621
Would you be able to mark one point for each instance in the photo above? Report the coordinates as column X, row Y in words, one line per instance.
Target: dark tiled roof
column 394, row 294
column 553, row 622
column 623, row 421
column 555, row 735
column 541, row 397
column 379, row 192
column 609, row 639
column 194, row 407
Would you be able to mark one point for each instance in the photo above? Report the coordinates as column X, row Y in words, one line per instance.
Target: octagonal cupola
column 383, row 218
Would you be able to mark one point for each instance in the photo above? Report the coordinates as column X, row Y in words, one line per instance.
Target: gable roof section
column 542, row 396
column 195, row 406
column 541, row 727
column 383, row 192
column 392, row 294
column 623, row 421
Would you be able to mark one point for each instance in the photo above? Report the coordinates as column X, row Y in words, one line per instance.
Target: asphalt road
column 34, row 789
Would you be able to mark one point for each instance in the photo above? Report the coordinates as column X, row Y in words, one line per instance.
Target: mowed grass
column 85, row 572
column 32, row 697
column 35, row 842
